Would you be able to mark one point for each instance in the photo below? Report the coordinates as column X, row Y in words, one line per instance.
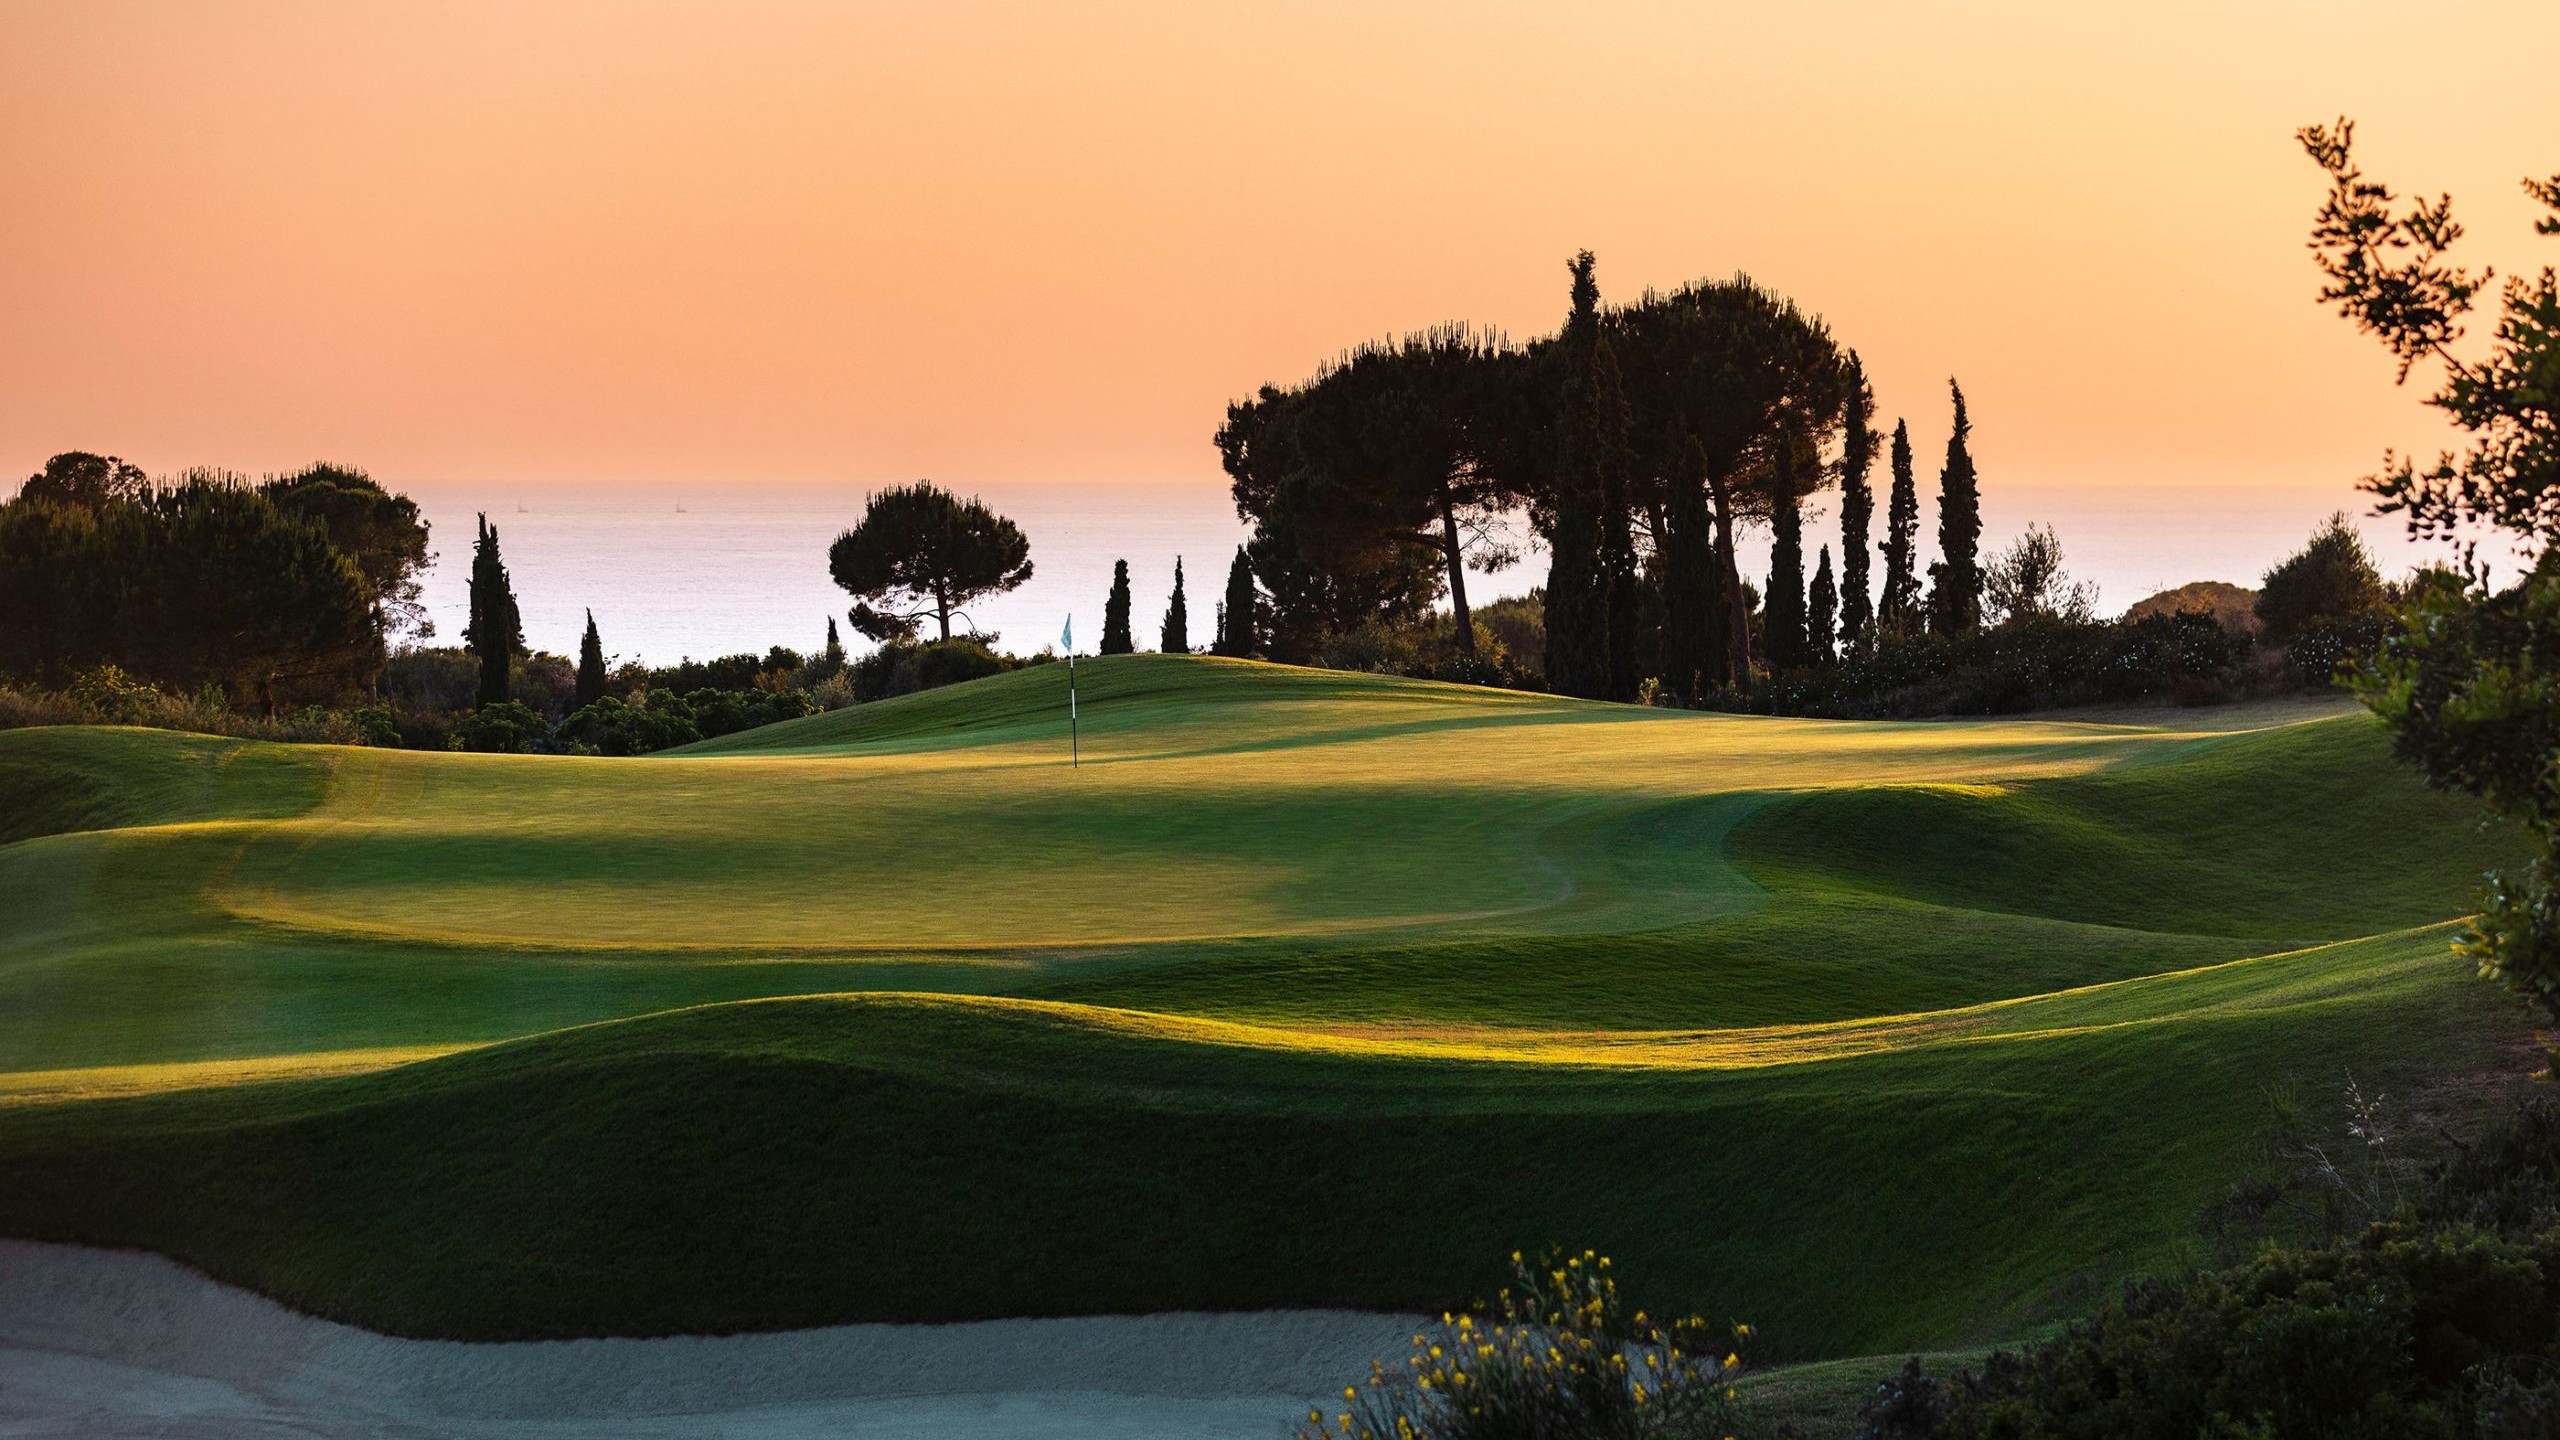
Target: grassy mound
column 1306, row 989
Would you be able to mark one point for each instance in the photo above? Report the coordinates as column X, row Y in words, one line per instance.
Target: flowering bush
column 1555, row 1357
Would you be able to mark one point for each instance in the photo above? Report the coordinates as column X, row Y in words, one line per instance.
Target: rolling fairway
column 1306, row 989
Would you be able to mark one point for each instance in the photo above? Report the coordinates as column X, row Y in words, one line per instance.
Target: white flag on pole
column 1067, row 637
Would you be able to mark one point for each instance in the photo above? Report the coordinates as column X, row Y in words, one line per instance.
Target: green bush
column 2441, row 1321
column 2028, row 665
column 106, row 695
column 114, row 697
column 2394, row 1336
column 508, row 728
column 615, row 726
column 1557, row 1356
column 903, row 667
column 657, row 720
column 1427, row 649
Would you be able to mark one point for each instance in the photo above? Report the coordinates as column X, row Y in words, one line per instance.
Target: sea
column 673, row 573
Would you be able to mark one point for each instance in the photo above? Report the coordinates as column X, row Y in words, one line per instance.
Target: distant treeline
column 212, row 601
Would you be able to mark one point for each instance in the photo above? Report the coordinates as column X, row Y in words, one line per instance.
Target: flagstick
column 1075, row 738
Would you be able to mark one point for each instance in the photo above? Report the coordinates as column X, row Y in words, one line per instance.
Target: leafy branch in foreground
column 2470, row 684
column 2387, row 272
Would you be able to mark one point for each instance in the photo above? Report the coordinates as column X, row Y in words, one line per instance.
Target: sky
column 1007, row 246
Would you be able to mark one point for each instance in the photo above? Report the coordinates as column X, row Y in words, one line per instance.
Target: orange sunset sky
column 1015, row 244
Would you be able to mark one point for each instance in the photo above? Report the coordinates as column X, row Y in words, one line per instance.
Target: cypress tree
column 1177, row 617
column 591, row 663
column 496, row 631
column 1820, row 608
column 1115, row 613
column 1899, row 614
column 1577, row 602
column 1955, row 593
column 1236, row 629
column 1782, row 608
column 1857, row 511
column 1693, row 618
column 835, row 647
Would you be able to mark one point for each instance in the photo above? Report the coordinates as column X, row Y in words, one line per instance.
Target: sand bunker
column 110, row 1343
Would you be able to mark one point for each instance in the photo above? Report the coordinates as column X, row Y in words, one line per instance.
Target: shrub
column 111, row 697
column 2030, row 664
column 508, row 728
column 1426, row 649
column 657, row 720
column 2397, row 1334
column 615, row 726
column 903, row 667
column 744, row 671
column 107, row 695
column 1556, row 1355
column 431, row 679
column 2443, row 1320
column 2331, row 578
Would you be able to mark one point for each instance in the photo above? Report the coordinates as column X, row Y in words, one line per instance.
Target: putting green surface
column 1305, row 988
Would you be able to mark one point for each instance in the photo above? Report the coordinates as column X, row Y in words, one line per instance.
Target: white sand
column 111, row 1343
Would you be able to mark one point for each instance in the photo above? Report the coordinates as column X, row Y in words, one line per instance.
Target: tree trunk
column 1456, row 556
column 942, row 608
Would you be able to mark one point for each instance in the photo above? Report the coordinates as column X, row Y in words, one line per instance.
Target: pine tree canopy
column 921, row 551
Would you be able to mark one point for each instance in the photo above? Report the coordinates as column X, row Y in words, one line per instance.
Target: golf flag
column 1067, row 637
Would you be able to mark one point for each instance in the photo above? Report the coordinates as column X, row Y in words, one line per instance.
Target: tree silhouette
column 84, row 481
column 1116, row 639
column 496, row 631
column 590, row 665
column 1371, row 487
column 1177, row 617
column 2331, row 577
column 1693, row 628
column 1898, row 614
column 2468, row 685
column 1729, row 367
column 1782, row 616
column 1857, row 510
column 1821, row 606
column 380, row 531
column 1238, row 633
column 921, row 551
column 1955, row 592
column 233, row 590
column 1590, row 429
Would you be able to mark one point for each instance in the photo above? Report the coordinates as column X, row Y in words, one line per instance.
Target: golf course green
column 1303, row 989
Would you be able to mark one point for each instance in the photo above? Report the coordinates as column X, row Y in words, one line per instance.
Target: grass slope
column 1306, row 989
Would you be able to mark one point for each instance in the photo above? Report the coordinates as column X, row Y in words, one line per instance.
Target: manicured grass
column 1306, row 989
